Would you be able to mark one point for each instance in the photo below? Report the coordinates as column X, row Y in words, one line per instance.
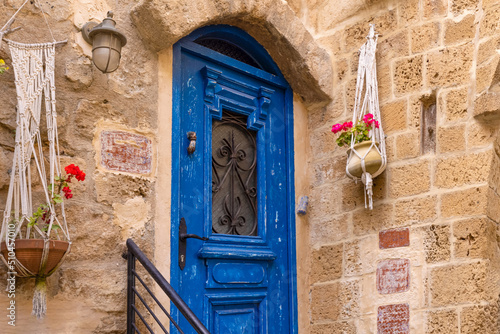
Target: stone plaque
column 393, row 319
column 126, row 152
column 394, row 238
column 393, row 276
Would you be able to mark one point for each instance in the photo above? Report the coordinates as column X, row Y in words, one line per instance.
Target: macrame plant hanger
column 366, row 101
column 35, row 86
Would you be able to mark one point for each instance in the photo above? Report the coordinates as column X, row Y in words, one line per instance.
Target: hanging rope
column 366, row 101
column 35, row 86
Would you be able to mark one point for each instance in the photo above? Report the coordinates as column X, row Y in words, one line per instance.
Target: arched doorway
column 236, row 188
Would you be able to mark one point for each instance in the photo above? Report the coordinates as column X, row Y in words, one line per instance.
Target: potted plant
column 29, row 251
column 359, row 136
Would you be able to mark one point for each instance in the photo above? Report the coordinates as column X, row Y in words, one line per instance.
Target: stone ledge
column 487, row 107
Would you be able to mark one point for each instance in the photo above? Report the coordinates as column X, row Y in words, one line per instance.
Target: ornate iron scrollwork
column 234, row 176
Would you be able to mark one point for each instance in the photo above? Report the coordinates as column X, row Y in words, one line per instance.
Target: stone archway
column 305, row 65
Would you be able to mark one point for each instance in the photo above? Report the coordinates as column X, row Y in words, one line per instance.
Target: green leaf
column 57, row 199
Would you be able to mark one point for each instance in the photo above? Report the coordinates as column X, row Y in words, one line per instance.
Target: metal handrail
column 134, row 253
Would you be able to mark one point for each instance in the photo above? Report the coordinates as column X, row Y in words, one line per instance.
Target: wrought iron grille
column 228, row 49
column 234, row 176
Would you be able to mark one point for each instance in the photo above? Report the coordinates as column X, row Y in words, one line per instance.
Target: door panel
column 236, row 189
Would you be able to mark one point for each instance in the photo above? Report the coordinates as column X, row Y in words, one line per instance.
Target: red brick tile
column 394, row 238
column 393, row 276
column 393, row 319
column 126, row 152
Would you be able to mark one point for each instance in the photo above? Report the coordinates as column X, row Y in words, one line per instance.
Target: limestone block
column 329, row 170
column 360, row 256
column 480, row 319
column 372, row 221
column 346, row 294
column 449, row 66
column 463, row 170
column 338, row 327
column 434, row 8
column 408, row 75
column 491, row 21
column 323, row 116
column 323, row 204
column 350, row 95
column 487, row 107
column 323, row 142
column 390, row 148
column 295, row 5
column 463, row 30
column 486, row 74
column 394, row 46
column 442, row 322
column 394, row 116
column 385, row 23
column 493, row 210
column 474, row 238
column 455, row 284
column 487, row 49
column 409, row 179
column 384, row 77
column 416, row 210
column 333, row 43
column 415, row 112
column 459, row 6
column 437, row 243
column 425, row 37
column 456, row 103
column 467, row 202
column 327, row 263
column 330, row 230
column 479, row 135
column 408, row 145
column 341, row 70
column 409, row 12
column 80, row 72
column 451, row 139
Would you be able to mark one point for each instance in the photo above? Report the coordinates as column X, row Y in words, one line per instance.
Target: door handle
column 183, row 235
column 192, row 142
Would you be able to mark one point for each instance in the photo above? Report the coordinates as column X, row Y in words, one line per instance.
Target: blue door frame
column 229, row 280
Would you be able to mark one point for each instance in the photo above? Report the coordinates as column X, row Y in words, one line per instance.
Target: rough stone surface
column 456, row 104
column 454, row 284
column 408, row 75
column 442, row 322
column 330, row 230
column 347, row 295
column 410, row 179
column 463, row 170
column 372, row 221
column 416, row 210
column 408, row 145
column 467, row 202
column 327, row 263
column 339, row 327
column 474, row 238
column 487, row 107
column 449, row 66
column 425, row 37
column 437, row 243
column 450, row 139
column 480, row 319
column 456, row 32
column 435, row 8
column 394, row 116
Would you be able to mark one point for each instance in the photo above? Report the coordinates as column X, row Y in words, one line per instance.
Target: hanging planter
column 367, row 157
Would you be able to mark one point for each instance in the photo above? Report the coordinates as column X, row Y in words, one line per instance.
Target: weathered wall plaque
column 393, row 319
column 394, row 238
column 126, row 152
column 393, row 276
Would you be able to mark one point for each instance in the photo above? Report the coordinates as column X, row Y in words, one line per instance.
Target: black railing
column 135, row 253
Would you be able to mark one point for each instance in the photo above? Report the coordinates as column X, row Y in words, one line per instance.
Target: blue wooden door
column 236, row 188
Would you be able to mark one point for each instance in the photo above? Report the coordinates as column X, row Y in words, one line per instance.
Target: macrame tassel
column 40, row 298
column 367, row 180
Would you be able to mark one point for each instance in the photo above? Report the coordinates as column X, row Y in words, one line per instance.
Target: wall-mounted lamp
column 107, row 43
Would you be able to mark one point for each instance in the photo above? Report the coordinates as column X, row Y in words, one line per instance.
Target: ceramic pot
column 373, row 160
column 29, row 253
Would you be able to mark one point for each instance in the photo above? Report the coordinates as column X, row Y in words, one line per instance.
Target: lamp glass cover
column 106, row 49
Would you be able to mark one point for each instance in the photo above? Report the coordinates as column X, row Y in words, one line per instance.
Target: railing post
column 130, row 293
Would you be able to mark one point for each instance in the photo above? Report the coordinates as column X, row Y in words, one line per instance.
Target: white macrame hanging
column 366, row 101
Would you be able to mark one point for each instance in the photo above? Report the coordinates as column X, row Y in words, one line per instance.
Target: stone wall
column 425, row 260
column 426, row 257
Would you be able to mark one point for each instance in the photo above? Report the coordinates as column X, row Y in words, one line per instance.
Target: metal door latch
column 183, row 235
column 192, row 142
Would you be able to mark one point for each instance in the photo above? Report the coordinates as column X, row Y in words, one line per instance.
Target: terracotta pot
column 373, row 159
column 29, row 253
